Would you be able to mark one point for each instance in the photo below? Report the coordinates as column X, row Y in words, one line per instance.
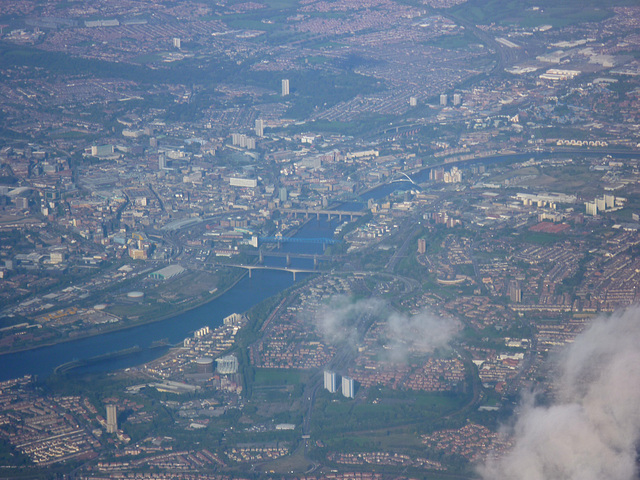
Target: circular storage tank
column 205, row 365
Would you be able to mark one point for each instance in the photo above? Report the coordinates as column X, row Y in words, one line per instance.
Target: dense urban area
column 441, row 193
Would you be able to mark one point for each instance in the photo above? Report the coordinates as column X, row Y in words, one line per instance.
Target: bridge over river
column 329, row 213
column 251, row 268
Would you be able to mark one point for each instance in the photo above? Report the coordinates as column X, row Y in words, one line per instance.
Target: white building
column 243, row 182
column 259, row 127
column 243, row 141
column 591, row 208
column 57, row 257
column 235, row 319
column 167, row 272
column 330, row 381
column 348, row 389
column 602, row 204
column 227, row 365
column 454, row 176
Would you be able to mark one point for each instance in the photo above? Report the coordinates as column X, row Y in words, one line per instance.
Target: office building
column 243, row 182
column 285, row 87
column 102, row 150
column 348, row 389
column 330, row 381
column 112, row 419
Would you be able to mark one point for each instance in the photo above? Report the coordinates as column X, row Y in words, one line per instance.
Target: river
column 241, row 297
column 245, row 294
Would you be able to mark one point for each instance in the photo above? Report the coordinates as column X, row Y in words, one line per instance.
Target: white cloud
column 405, row 334
column 592, row 429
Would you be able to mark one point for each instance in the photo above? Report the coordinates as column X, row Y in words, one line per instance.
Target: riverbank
column 498, row 156
column 239, row 297
column 218, row 294
column 114, row 328
column 140, row 323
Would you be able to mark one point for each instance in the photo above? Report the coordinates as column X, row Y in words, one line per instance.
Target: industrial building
column 167, row 272
column 204, row 365
column 227, row 365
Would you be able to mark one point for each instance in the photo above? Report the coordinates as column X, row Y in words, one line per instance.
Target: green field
column 337, row 417
column 557, row 14
column 277, row 376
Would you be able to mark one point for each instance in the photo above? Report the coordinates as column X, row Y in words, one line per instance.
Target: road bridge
column 274, row 253
column 329, row 213
column 309, row 240
column 306, row 256
column 251, row 268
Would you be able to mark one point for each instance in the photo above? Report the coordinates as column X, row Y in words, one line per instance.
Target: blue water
column 245, row 294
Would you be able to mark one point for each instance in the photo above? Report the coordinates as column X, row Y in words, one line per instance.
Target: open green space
column 541, row 238
column 273, row 4
column 337, row 417
column 276, row 376
column 452, row 42
column 364, row 124
column 295, row 462
column 534, row 13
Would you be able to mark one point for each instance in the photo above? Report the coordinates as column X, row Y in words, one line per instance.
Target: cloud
column 421, row 333
column 592, row 429
column 339, row 321
column 345, row 320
